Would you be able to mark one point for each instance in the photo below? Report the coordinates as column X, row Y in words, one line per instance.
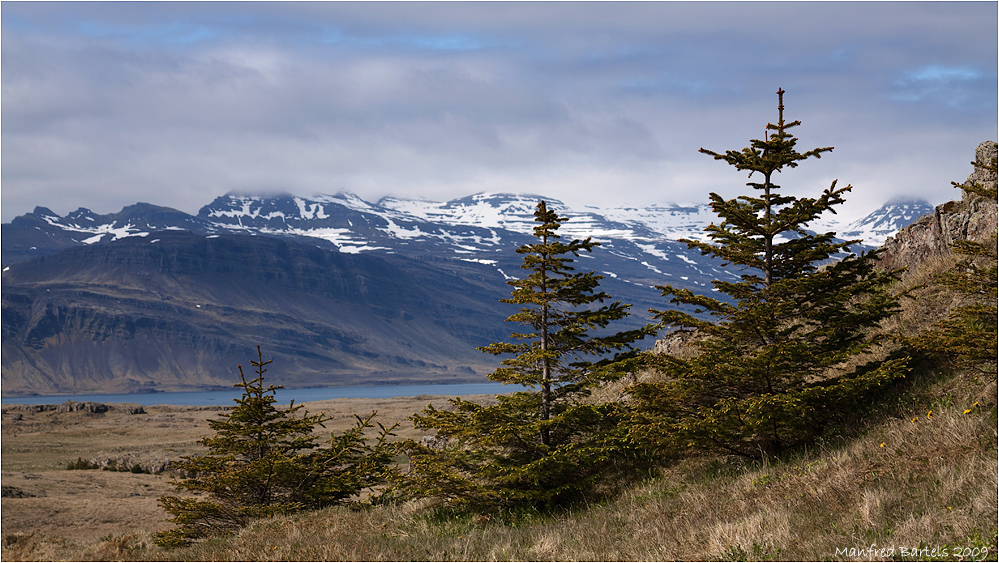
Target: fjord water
column 284, row 396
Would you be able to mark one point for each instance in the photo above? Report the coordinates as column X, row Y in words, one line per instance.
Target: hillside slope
column 179, row 311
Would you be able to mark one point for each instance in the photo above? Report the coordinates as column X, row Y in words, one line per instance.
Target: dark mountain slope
column 180, row 310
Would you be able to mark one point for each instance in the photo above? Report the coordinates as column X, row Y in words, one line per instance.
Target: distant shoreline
column 301, row 395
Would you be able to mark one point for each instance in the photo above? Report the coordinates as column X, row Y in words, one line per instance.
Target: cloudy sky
column 107, row 104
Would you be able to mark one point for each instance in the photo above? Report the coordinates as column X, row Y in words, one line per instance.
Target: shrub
column 81, row 463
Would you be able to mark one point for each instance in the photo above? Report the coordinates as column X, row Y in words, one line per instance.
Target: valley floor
column 916, row 481
column 41, row 496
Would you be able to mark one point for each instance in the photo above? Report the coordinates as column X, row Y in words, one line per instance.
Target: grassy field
column 920, row 473
column 42, row 497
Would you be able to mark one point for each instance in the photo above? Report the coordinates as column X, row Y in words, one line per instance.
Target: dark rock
column 7, row 491
column 972, row 218
column 129, row 408
column 84, row 406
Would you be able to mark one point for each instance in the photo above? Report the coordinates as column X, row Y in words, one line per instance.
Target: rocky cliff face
column 972, row 218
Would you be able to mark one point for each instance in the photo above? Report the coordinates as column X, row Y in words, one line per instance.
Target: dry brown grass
column 82, row 505
column 921, row 474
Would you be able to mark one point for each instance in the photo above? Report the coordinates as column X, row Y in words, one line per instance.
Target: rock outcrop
column 79, row 406
column 133, row 462
column 972, row 218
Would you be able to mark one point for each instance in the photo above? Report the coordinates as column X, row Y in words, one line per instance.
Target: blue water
column 283, row 396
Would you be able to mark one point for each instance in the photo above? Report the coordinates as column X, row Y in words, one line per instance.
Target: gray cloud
column 105, row 104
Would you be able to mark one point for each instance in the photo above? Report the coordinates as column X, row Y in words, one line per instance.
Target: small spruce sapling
column 265, row 460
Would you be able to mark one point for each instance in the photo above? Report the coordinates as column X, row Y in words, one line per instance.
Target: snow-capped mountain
column 638, row 243
column 887, row 220
column 482, row 229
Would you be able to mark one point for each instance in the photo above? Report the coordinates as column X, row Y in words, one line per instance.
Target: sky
column 595, row 104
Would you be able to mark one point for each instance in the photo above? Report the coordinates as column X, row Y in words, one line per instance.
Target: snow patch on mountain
column 99, row 231
column 310, row 210
column 874, row 229
column 673, row 221
column 497, row 211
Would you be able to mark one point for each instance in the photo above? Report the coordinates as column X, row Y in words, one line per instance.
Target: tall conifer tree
column 768, row 371
column 544, row 446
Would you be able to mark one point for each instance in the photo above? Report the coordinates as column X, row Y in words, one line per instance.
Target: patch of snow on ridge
column 651, row 249
column 506, row 277
column 515, row 213
column 673, row 220
column 101, row 230
column 401, row 232
column 311, row 210
column 344, row 239
column 245, row 208
column 685, row 259
column 480, row 261
column 348, row 249
column 653, row 268
column 486, row 210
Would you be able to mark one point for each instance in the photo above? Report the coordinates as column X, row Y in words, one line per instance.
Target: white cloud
column 108, row 104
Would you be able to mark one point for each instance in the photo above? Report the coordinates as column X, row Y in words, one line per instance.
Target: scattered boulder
column 7, row 491
column 85, row 406
column 129, row 408
column 133, row 462
column 437, row 442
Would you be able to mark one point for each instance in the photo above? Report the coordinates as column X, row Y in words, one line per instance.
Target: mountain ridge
column 340, row 290
column 485, row 210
